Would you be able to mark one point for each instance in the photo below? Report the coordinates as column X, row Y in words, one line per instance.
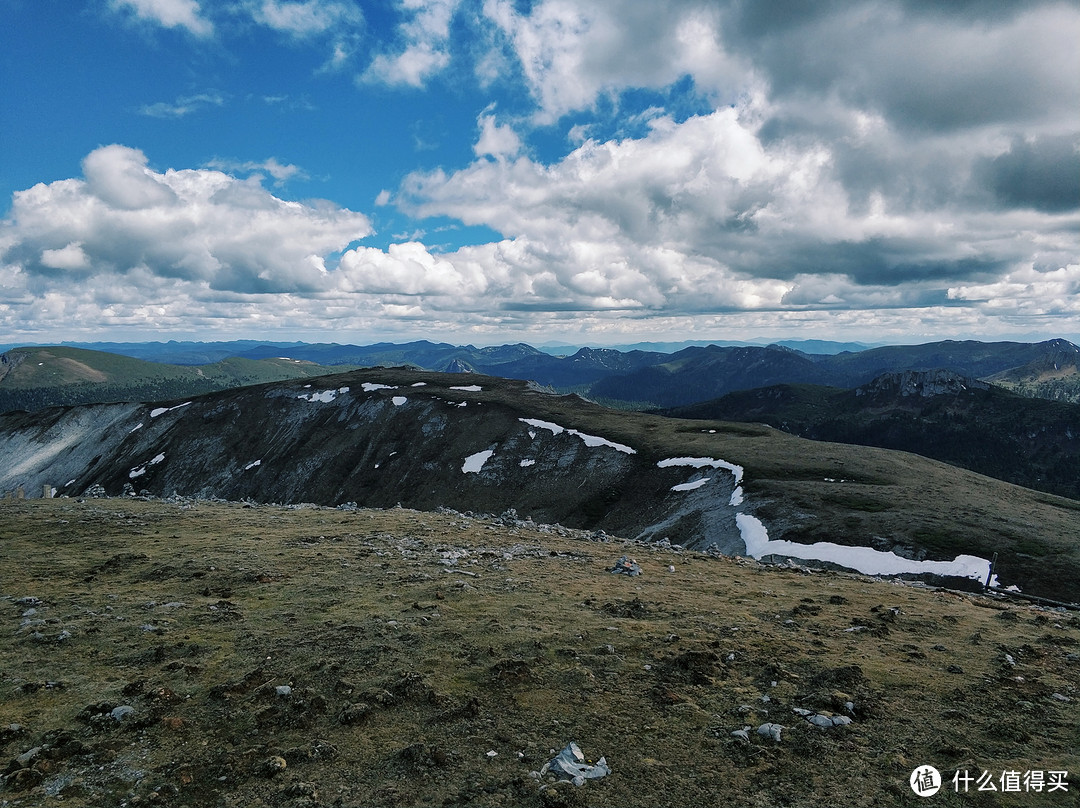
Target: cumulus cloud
column 917, row 68
column 706, row 215
column 196, row 225
column 185, row 14
column 496, row 140
column 425, row 37
column 1027, row 290
column 572, row 52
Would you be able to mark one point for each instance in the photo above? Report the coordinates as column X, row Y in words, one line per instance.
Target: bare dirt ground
column 197, row 654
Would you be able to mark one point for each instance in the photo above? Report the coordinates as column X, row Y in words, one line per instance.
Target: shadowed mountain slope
column 937, row 414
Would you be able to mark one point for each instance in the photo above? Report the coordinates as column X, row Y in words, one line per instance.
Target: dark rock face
column 376, row 438
column 922, row 383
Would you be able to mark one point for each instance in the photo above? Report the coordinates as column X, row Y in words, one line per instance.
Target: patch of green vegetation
column 857, row 502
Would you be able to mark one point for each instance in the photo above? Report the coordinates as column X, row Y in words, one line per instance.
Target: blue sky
column 598, row 171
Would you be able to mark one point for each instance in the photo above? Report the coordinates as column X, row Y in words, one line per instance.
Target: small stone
column 770, row 730
column 283, row 690
column 1061, row 697
column 28, row 757
column 122, row 712
column 273, row 765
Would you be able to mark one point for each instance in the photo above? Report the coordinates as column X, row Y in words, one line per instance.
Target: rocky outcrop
column 921, row 383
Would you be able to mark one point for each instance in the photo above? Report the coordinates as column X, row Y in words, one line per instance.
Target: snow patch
column 703, row 462
column 399, row 400
column 418, row 384
column 589, row 440
column 864, row 559
column 252, row 465
column 526, row 463
column 137, row 426
column 154, row 413
column 691, row 486
column 370, row 387
column 139, row 471
column 325, row 396
column 474, row 462
column 472, row 388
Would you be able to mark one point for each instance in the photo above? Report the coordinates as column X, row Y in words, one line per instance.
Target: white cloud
column 183, row 106
column 198, row 226
column 307, row 18
column 279, row 171
column 495, row 140
column 571, row 52
column 425, row 36
column 1027, row 290
column 70, row 257
column 169, row 13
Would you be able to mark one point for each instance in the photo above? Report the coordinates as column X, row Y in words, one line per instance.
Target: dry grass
column 405, row 672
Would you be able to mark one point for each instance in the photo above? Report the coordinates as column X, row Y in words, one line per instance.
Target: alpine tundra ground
column 187, row 653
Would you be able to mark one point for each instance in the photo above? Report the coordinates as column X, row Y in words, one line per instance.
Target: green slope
column 39, row 377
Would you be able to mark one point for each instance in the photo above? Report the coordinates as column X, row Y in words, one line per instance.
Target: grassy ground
column 415, row 645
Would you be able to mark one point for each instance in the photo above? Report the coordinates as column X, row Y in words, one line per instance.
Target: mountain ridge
column 379, row 437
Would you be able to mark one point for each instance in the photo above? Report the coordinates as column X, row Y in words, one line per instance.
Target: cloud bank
column 870, row 167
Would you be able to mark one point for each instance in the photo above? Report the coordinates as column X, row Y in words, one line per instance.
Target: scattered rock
column 122, row 712
column 271, row 766
column 354, row 714
column 23, row 780
column 770, row 730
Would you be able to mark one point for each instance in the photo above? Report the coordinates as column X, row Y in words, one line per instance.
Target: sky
column 492, row 171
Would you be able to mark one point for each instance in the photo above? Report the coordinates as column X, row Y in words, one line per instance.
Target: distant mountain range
column 640, row 379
